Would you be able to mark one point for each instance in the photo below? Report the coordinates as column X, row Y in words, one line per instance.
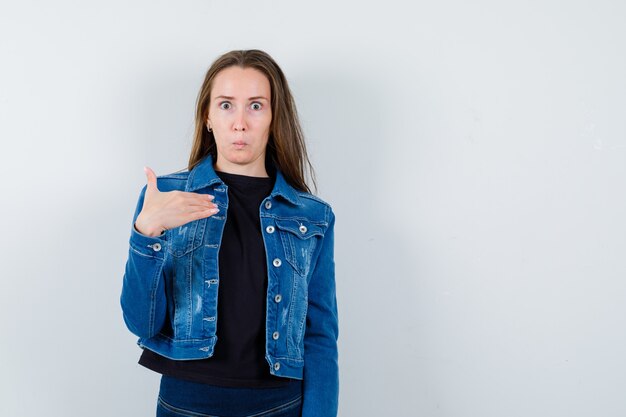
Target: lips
column 239, row 144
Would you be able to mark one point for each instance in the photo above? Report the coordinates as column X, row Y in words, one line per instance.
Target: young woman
column 230, row 282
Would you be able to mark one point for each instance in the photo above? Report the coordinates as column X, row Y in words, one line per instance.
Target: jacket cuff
column 148, row 245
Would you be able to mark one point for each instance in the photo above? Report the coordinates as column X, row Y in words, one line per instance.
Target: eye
column 224, row 105
column 256, row 105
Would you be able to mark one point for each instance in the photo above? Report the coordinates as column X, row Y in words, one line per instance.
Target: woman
column 241, row 219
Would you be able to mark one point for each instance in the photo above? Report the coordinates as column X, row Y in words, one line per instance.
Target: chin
column 240, row 160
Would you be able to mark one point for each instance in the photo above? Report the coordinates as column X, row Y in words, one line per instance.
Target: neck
column 255, row 169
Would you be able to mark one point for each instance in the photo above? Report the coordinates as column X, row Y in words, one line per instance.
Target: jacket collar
column 203, row 175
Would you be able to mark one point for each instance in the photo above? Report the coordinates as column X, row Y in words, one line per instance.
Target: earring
column 209, row 127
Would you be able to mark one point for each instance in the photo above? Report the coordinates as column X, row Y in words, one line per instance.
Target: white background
column 474, row 153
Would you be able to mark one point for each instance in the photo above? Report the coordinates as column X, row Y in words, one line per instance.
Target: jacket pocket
column 186, row 238
column 299, row 241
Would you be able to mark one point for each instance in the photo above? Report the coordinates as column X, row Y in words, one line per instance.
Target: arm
column 321, row 370
column 143, row 292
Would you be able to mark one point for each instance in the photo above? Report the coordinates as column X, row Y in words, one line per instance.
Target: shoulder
column 173, row 181
column 317, row 204
column 179, row 175
column 308, row 198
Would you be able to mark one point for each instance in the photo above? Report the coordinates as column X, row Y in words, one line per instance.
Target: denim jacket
column 170, row 285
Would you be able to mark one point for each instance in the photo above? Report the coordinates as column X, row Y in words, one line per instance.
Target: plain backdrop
column 474, row 154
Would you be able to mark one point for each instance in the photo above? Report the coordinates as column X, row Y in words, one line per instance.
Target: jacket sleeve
column 321, row 369
column 143, row 291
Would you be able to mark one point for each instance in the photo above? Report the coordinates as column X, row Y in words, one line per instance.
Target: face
column 240, row 115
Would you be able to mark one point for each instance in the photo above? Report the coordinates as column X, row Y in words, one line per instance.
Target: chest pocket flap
column 185, row 238
column 299, row 239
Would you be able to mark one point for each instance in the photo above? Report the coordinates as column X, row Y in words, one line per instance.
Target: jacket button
column 277, row 262
column 156, row 247
column 275, row 335
column 269, row 229
column 278, row 297
column 302, row 229
column 277, row 366
column 268, row 205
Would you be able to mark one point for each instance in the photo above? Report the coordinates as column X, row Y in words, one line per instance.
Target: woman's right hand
column 166, row 210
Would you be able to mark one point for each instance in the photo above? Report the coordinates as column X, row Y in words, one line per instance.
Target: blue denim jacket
column 169, row 291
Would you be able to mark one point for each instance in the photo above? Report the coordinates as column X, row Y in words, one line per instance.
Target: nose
column 239, row 125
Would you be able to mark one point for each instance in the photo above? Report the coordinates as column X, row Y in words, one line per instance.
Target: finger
column 209, row 197
column 205, row 213
column 198, row 209
column 152, row 180
column 193, row 209
column 197, row 199
column 202, row 205
column 199, row 214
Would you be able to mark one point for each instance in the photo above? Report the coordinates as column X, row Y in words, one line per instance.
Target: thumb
column 152, row 180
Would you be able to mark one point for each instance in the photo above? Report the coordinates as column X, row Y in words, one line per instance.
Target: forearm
column 321, row 369
column 143, row 291
column 321, row 377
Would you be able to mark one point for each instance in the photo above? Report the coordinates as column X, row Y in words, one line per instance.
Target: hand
column 166, row 210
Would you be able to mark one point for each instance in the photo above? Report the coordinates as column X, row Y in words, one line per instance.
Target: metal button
column 277, row 262
column 302, row 228
column 275, row 335
column 269, row 229
column 277, row 366
column 278, row 298
column 156, row 247
column 268, row 204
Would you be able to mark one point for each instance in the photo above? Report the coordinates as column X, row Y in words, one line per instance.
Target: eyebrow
column 250, row 98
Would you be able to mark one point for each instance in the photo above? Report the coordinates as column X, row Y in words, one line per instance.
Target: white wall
column 474, row 152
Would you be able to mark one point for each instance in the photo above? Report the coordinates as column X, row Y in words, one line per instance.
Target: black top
column 239, row 356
